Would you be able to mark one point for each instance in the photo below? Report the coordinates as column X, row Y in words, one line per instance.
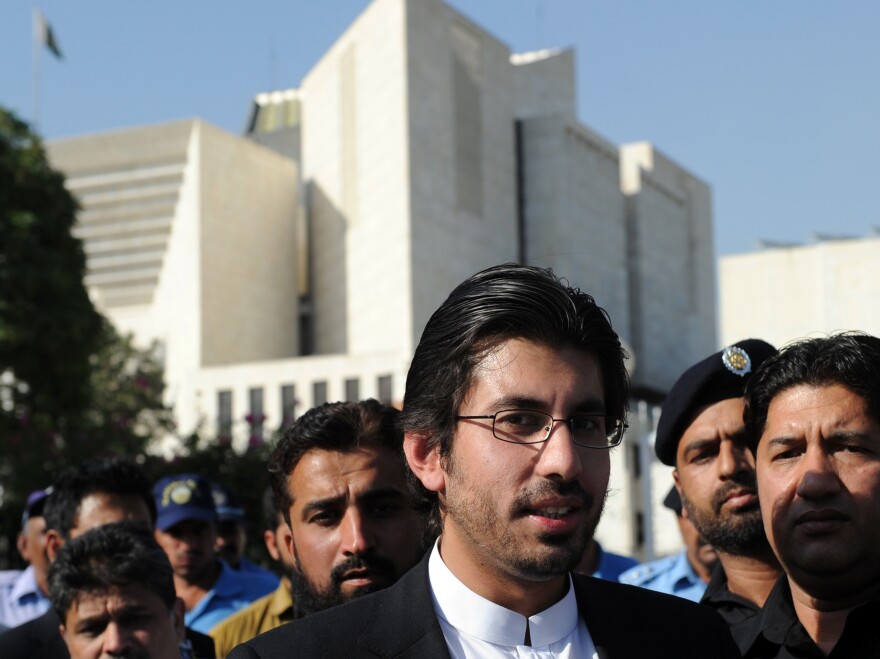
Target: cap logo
column 178, row 492
column 736, row 360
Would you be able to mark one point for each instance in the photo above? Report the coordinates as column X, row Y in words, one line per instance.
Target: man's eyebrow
column 588, row 406
column 701, row 444
column 90, row 622
column 783, row 441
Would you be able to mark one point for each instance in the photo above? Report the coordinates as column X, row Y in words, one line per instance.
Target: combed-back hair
column 504, row 302
column 850, row 359
column 103, row 475
column 338, row 427
column 109, row 556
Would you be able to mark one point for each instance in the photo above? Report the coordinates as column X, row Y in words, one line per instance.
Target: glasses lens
column 589, row 430
column 521, row 426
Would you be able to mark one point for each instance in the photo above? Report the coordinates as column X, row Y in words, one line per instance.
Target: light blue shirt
column 232, row 591
column 20, row 597
column 672, row 575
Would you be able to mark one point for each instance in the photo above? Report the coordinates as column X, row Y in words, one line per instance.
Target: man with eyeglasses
column 516, row 392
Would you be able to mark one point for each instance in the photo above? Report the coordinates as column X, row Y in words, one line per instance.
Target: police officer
column 702, row 435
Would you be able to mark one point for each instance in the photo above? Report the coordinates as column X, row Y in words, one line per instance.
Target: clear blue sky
column 776, row 105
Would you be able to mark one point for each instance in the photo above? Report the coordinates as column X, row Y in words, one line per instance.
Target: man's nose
column 356, row 538
column 559, row 454
column 818, row 477
column 115, row 639
column 733, row 459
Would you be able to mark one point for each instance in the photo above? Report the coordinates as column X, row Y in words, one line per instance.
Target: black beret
column 720, row 376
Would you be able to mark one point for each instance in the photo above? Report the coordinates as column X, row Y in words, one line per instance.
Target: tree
column 70, row 386
column 48, row 326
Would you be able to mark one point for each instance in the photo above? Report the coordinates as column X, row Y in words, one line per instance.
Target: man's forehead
column 721, row 415
column 107, row 601
column 519, row 369
column 100, row 508
column 322, row 473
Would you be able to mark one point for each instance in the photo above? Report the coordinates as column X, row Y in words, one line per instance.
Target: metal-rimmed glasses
column 531, row 427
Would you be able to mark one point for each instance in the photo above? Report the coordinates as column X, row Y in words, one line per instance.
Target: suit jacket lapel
column 404, row 624
column 601, row 625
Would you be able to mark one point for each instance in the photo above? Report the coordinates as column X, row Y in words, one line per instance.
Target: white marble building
column 783, row 293
column 301, row 264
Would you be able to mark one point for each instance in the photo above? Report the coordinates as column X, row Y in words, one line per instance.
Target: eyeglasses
column 530, row 427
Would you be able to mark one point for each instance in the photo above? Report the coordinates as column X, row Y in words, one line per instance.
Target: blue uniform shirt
column 20, row 597
column 232, row 591
column 672, row 575
column 611, row 565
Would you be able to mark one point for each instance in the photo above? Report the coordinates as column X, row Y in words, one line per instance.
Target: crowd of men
column 462, row 526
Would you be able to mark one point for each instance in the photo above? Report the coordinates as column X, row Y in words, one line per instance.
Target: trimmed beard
column 740, row 533
column 308, row 599
column 479, row 520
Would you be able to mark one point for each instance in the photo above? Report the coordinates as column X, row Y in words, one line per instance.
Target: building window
column 224, row 414
column 306, row 334
column 352, row 390
column 255, row 417
column 288, row 405
column 383, row 386
column 319, row 393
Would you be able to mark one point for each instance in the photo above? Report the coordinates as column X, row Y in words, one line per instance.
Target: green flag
column 44, row 34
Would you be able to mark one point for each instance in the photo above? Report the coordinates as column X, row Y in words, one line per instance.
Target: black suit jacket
column 625, row 622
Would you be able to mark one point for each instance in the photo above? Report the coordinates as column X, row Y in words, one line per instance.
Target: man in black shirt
column 813, row 413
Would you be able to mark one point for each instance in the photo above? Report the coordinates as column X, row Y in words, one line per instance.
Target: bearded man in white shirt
column 516, row 394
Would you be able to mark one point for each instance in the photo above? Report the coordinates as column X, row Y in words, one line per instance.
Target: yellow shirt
column 260, row 616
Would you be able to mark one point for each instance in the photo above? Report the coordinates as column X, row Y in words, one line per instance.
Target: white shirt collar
column 476, row 616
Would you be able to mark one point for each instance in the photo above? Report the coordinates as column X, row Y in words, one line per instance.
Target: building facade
column 301, row 262
column 783, row 293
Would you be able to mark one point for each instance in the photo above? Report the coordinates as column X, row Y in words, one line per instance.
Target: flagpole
column 36, row 66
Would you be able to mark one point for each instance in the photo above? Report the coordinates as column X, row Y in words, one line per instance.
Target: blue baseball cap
column 227, row 504
column 33, row 507
column 183, row 497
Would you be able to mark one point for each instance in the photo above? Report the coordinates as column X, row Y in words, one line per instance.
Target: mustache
column 720, row 495
column 372, row 562
column 551, row 488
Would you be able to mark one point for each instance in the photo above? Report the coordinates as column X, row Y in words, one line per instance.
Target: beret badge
column 736, row 360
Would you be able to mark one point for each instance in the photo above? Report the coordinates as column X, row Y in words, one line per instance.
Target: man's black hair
column 338, row 427
column 109, row 556
column 504, row 302
column 104, row 475
column 850, row 359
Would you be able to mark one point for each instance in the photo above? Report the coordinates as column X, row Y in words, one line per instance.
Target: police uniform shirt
column 476, row 627
column 776, row 632
column 672, row 575
column 730, row 606
column 612, row 565
column 21, row 599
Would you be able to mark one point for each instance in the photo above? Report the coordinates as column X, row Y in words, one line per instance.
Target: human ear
column 54, row 542
column 21, row 543
column 424, row 460
column 271, row 544
column 675, row 479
